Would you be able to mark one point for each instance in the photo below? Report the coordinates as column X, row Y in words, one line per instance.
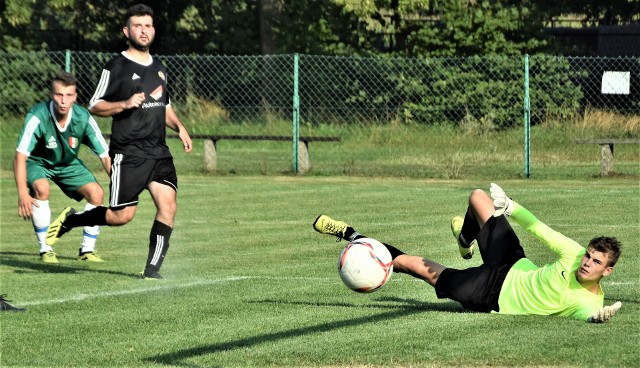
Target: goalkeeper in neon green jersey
column 47, row 150
column 507, row 282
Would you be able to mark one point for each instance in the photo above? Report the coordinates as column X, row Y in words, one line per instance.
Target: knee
column 169, row 209
column 41, row 190
column 477, row 196
column 95, row 197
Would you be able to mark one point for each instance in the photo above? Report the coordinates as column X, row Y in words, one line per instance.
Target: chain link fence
column 437, row 117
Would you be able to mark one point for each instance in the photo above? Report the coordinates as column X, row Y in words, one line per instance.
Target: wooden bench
column 606, row 150
column 211, row 140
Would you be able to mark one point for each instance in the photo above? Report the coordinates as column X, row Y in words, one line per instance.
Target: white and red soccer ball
column 365, row 265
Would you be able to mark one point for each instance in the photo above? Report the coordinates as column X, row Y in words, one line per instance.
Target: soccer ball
column 365, row 265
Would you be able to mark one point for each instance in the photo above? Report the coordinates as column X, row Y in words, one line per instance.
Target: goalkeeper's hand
column 501, row 203
column 605, row 314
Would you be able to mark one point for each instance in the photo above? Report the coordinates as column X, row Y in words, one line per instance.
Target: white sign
column 616, row 83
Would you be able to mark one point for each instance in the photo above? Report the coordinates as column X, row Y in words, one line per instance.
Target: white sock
column 89, row 234
column 41, row 218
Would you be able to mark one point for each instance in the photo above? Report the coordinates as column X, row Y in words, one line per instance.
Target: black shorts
column 478, row 288
column 130, row 175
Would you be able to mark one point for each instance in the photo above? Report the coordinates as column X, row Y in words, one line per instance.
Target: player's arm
column 104, row 108
column 557, row 242
column 174, row 123
column 101, row 104
column 95, row 140
column 24, row 198
column 106, row 164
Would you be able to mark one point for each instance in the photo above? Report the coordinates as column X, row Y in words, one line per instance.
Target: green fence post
column 296, row 114
column 527, row 119
column 67, row 61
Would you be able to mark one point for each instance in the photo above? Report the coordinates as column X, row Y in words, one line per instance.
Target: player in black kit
column 133, row 91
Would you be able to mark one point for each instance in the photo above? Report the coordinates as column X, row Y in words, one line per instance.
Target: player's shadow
column 400, row 308
column 393, row 303
column 23, row 266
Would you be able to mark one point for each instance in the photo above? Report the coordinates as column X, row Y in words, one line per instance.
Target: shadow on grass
column 23, row 266
column 399, row 303
column 405, row 307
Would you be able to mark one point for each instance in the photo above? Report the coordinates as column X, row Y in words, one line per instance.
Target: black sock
column 350, row 234
column 158, row 246
column 92, row 217
column 393, row 250
column 470, row 229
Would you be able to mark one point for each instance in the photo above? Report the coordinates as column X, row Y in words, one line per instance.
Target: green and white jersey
column 44, row 141
column 552, row 289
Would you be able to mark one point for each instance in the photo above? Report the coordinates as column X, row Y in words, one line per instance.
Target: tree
column 479, row 28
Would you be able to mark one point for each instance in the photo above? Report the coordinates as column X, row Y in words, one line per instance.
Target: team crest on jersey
column 161, row 75
column 52, row 143
column 73, row 142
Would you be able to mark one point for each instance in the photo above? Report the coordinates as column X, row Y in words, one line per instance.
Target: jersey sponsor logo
column 148, row 105
column 157, row 93
column 52, row 143
column 135, row 76
column 73, row 142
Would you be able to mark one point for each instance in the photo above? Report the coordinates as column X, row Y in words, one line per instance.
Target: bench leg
column 606, row 154
column 303, row 157
column 210, row 155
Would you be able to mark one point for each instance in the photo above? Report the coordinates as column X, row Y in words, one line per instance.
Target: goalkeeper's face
column 594, row 266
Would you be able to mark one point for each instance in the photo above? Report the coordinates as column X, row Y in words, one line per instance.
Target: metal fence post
column 527, row 119
column 67, row 61
column 296, row 114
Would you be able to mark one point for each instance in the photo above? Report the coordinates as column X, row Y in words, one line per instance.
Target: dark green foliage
column 25, row 78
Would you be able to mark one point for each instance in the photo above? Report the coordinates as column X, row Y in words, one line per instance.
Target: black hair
column 607, row 245
column 65, row 78
column 137, row 10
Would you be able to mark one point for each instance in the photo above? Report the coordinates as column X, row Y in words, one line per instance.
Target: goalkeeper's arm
column 557, row 242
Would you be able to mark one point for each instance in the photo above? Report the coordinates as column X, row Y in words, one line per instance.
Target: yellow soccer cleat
column 48, row 257
column 57, row 229
column 89, row 257
column 326, row 225
column 456, row 229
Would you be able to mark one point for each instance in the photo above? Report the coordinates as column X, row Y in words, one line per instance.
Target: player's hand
column 24, row 206
column 186, row 140
column 501, row 203
column 605, row 314
column 135, row 101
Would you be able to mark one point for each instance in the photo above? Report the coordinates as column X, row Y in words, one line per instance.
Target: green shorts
column 69, row 177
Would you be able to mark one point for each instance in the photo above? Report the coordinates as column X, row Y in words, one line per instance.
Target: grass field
column 250, row 284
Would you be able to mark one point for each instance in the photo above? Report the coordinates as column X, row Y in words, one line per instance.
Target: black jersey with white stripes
column 140, row 131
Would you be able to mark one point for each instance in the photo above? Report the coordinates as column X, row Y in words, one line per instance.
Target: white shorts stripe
column 115, row 179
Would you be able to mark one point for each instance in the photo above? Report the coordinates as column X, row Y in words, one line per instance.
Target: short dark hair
column 137, row 10
column 65, row 78
column 607, row 245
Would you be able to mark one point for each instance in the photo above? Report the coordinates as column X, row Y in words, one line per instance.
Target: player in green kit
column 47, row 150
column 507, row 282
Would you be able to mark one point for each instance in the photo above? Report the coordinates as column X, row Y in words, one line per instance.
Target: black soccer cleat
column 151, row 275
column 6, row 307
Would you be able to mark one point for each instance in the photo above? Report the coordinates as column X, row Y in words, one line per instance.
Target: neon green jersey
column 45, row 141
column 552, row 289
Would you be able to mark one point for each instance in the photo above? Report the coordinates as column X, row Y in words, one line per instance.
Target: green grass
column 249, row 283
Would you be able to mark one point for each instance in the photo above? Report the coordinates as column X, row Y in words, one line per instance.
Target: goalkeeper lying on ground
column 507, row 282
